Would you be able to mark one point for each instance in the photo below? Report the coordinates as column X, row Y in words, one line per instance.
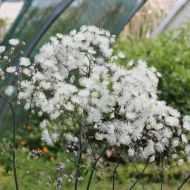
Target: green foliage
column 33, row 174
column 170, row 54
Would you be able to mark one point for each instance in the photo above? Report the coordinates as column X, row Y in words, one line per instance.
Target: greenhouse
column 94, row 94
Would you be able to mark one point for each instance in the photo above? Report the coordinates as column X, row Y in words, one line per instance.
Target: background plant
column 169, row 53
column 147, row 19
column 3, row 25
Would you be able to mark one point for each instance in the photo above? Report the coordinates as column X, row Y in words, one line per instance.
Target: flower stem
column 14, row 148
column 184, row 182
column 162, row 172
column 93, row 168
column 14, row 142
column 113, row 175
column 79, row 156
column 134, row 184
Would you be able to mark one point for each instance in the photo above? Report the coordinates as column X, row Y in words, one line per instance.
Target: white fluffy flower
column 2, row 74
column 152, row 158
column 50, row 139
column 131, row 152
column 121, row 55
column 14, row 42
column 176, row 142
column 180, row 162
column 159, row 147
column 99, row 136
column 173, row 121
column 2, row 49
column 71, row 139
column 43, row 124
column 27, row 71
column 24, row 61
column 9, row 90
column 186, row 122
column 11, row 69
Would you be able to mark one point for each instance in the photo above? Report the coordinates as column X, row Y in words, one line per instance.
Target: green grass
column 32, row 182
column 29, row 178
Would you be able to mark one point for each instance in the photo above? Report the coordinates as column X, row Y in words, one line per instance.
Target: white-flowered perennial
column 2, row 49
column 11, row 69
column 77, row 74
column 9, row 90
column 14, row 42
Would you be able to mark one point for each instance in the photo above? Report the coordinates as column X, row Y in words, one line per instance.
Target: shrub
column 169, row 53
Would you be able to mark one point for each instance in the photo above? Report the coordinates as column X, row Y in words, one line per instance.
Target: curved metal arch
column 124, row 22
column 15, row 24
column 112, row 17
column 46, row 24
column 179, row 5
column 52, row 17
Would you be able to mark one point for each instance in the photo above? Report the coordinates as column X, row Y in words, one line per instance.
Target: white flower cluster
column 14, row 42
column 186, row 122
column 77, row 73
column 6, row 69
column 2, row 49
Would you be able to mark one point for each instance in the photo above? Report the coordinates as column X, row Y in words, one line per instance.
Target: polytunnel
column 39, row 19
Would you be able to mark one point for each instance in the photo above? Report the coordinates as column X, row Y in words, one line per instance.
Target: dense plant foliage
column 75, row 80
column 169, row 53
column 87, row 101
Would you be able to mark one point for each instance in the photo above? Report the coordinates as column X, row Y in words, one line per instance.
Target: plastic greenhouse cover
column 108, row 14
column 41, row 19
column 31, row 18
column 27, row 25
